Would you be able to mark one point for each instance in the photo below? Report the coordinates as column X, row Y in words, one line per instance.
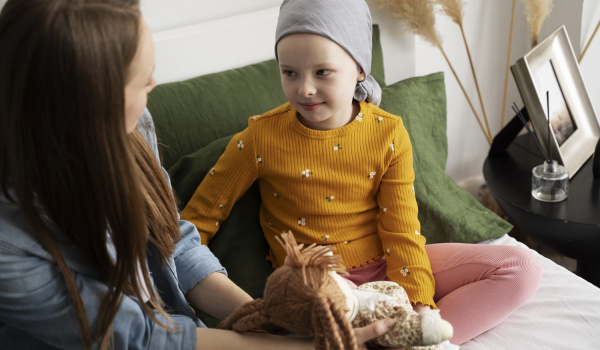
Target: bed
column 211, row 81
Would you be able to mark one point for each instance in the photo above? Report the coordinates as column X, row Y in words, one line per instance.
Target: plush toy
column 306, row 296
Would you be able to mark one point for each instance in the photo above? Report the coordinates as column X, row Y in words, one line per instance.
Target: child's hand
column 418, row 307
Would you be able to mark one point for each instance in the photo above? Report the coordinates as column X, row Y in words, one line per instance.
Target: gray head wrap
column 346, row 22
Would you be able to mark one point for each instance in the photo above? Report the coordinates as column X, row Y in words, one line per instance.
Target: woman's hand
column 374, row 330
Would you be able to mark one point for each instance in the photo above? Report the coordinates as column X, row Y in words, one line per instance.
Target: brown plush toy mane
column 301, row 297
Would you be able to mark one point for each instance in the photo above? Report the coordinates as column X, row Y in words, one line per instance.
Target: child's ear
column 361, row 75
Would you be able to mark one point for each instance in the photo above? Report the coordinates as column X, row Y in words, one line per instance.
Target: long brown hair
column 65, row 157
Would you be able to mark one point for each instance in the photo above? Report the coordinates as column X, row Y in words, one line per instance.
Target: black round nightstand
column 571, row 227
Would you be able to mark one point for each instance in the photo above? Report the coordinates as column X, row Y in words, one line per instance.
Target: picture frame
column 550, row 73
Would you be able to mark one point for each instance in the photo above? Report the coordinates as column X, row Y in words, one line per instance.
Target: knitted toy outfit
column 385, row 299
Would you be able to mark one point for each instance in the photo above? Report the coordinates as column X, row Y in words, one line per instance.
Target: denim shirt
column 35, row 307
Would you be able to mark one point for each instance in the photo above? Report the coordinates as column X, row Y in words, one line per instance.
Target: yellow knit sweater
column 350, row 187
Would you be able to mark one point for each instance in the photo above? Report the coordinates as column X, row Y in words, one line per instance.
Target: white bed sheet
column 564, row 313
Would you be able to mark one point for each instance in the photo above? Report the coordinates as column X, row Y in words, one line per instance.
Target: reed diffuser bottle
column 550, row 182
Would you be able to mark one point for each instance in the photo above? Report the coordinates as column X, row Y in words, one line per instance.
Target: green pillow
column 377, row 58
column 447, row 212
column 191, row 114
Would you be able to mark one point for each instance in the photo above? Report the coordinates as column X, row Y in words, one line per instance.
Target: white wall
column 486, row 24
column 487, row 29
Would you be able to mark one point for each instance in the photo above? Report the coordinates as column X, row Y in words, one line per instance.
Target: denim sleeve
column 193, row 261
column 38, row 313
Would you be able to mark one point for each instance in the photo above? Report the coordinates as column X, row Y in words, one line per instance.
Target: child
column 337, row 170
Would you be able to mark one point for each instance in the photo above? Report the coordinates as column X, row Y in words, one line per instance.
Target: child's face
column 318, row 78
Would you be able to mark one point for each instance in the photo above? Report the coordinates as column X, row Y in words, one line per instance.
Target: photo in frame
column 549, row 79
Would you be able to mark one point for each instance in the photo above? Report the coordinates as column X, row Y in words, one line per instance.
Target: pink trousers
column 476, row 286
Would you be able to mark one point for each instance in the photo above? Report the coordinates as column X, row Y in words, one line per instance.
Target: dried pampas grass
column 454, row 10
column 536, row 12
column 508, row 53
column 418, row 17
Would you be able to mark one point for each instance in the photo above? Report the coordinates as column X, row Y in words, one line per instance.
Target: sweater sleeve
column 224, row 184
column 399, row 227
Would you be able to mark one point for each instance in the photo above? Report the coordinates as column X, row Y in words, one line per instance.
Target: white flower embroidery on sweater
column 306, row 173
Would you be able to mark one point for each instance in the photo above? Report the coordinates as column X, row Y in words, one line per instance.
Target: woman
column 92, row 251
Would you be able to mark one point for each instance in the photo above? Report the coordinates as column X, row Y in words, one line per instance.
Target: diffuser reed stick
column 549, row 133
column 552, row 191
column 529, row 131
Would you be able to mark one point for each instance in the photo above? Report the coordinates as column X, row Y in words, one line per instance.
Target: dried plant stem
column 485, row 118
column 510, row 39
column 418, row 17
column 487, row 135
column 588, row 43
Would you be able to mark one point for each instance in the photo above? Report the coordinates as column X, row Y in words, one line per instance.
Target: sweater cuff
column 417, row 293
